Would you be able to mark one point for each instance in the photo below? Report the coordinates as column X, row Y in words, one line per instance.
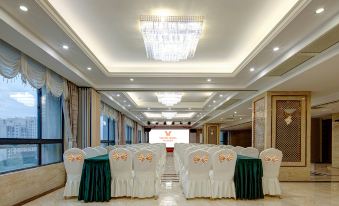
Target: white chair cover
column 90, row 152
column 146, row 182
column 196, row 180
column 110, row 148
column 73, row 161
column 102, row 151
column 120, row 160
column 222, row 182
column 213, row 150
column 237, row 149
column 271, row 161
column 228, row 146
column 250, row 152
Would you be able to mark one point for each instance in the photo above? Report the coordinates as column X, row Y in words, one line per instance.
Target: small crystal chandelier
column 171, row 38
column 168, row 115
column 169, row 98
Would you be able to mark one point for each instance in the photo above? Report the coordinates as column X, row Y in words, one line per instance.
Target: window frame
column 109, row 141
column 39, row 141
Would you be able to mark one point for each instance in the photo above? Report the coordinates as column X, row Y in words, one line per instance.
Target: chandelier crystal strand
column 171, row 38
column 169, row 98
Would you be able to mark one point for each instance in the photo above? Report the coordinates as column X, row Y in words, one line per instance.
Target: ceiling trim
column 54, row 15
column 177, row 90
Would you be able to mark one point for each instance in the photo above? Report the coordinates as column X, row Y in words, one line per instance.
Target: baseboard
column 38, row 196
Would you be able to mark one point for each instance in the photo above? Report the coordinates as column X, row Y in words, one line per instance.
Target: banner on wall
column 169, row 136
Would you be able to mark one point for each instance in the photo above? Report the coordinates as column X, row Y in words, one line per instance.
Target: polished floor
column 294, row 194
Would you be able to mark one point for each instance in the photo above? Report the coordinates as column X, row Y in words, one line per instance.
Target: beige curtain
column 71, row 109
column 135, row 133
column 95, row 118
column 122, row 139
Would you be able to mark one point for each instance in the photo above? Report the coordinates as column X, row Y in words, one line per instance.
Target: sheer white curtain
column 13, row 62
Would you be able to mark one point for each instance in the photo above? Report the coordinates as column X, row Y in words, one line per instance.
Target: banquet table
column 248, row 178
column 95, row 183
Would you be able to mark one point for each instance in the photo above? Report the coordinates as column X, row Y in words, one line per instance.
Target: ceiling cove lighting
column 168, row 115
column 171, row 38
column 169, row 98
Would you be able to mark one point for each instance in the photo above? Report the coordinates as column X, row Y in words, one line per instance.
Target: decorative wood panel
column 289, row 128
column 258, row 140
column 211, row 133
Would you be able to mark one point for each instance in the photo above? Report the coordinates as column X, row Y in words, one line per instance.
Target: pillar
column 211, row 133
column 282, row 120
column 335, row 140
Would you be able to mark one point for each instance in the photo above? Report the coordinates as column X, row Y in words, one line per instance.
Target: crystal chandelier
column 171, row 38
column 169, row 98
column 168, row 115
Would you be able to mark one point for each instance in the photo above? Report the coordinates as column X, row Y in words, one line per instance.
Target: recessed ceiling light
column 220, row 95
column 214, row 101
column 148, row 108
column 129, row 105
column 209, row 105
column 209, row 80
column 65, row 47
column 131, row 79
column 124, row 101
column 319, row 10
column 235, row 112
column 240, row 118
column 276, row 48
column 189, row 108
column 252, row 69
column 23, row 8
column 89, row 68
column 118, row 95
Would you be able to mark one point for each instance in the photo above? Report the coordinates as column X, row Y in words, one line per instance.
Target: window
column 129, row 134
column 107, row 130
column 30, row 126
column 139, row 136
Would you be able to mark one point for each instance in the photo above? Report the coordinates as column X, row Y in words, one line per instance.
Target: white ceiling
column 110, row 29
column 107, row 40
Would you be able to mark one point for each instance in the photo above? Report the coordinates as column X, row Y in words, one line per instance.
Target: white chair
column 73, row 161
column 228, row 146
column 271, row 161
column 222, row 182
column 110, row 148
column 90, row 152
column 196, row 180
column 237, row 149
column 102, row 151
column 146, row 182
column 213, row 150
column 120, row 160
column 250, row 152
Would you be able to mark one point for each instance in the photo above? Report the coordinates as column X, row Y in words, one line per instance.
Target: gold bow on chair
column 202, row 159
column 223, row 157
column 142, row 157
column 75, row 157
column 271, row 159
column 122, row 156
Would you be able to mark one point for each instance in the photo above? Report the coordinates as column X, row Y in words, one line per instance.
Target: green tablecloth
column 95, row 184
column 248, row 178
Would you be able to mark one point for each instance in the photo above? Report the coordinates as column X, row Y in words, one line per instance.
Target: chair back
column 102, row 151
column 74, row 161
column 144, row 161
column 237, row 149
column 271, row 161
column 250, row 152
column 223, row 163
column 198, row 163
column 120, row 160
column 90, row 152
column 110, row 147
column 228, row 146
column 213, row 150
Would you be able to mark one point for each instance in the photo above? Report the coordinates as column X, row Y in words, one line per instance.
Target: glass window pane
column 104, row 145
column 104, row 127
column 51, row 153
column 14, row 157
column 51, row 115
column 18, row 109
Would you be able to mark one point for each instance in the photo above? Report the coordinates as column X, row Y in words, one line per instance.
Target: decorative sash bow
column 142, row 157
column 202, row 159
column 223, row 157
column 75, row 157
column 122, row 156
column 271, row 159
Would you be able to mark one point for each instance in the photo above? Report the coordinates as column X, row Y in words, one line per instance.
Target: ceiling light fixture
column 276, row 48
column 171, row 38
column 65, row 47
column 169, row 98
column 168, row 115
column 220, row 95
column 89, row 68
column 252, row 69
column 131, row 79
column 319, row 10
column 214, row 101
column 235, row 112
column 148, row 108
column 23, row 8
column 209, row 80
column 118, row 95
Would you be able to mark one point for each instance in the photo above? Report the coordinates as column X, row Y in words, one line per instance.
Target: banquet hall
column 169, row 103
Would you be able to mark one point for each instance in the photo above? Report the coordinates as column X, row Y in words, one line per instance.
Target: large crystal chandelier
column 169, row 98
column 171, row 38
column 168, row 115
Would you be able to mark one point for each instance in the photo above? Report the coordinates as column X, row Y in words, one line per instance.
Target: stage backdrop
column 169, row 136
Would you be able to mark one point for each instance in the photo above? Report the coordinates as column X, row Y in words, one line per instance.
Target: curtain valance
column 13, row 62
column 109, row 111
